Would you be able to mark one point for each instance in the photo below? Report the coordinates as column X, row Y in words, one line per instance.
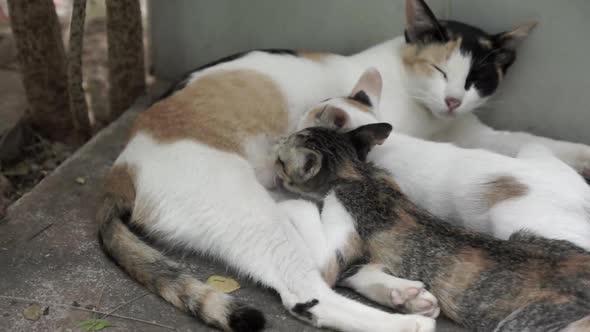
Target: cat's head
column 311, row 161
column 453, row 68
column 348, row 112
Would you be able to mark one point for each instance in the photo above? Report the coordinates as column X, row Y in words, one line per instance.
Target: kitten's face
column 454, row 68
column 310, row 161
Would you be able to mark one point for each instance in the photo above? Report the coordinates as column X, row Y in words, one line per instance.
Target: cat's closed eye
column 444, row 74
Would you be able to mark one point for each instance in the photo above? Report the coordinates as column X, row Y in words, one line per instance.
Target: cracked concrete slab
column 49, row 253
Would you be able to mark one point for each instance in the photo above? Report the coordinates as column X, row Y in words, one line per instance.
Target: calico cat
column 194, row 170
column 371, row 229
column 477, row 189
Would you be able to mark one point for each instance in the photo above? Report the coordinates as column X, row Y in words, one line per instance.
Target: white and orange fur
column 194, row 171
column 474, row 188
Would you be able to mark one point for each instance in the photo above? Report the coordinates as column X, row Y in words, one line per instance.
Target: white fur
column 220, row 209
column 450, row 182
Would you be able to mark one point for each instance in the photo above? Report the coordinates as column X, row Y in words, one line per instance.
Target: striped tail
column 168, row 278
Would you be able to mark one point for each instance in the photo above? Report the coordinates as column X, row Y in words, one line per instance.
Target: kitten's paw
column 415, row 323
column 416, row 300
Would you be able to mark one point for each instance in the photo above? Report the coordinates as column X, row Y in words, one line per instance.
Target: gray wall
column 546, row 92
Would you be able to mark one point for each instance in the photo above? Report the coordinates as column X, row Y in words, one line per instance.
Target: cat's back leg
column 210, row 201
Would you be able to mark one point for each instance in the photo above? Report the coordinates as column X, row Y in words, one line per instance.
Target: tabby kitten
column 526, row 283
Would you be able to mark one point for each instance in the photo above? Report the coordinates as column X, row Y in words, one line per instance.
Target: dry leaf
column 223, row 284
column 32, row 312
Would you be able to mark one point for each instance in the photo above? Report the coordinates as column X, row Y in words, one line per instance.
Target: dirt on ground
column 25, row 156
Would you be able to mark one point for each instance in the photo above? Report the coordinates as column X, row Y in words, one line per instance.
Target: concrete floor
column 49, row 253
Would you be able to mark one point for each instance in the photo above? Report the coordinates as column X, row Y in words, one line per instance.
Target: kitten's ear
column 511, row 39
column 421, row 24
column 367, row 90
column 364, row 138
column 308, row 164
column 332, row 117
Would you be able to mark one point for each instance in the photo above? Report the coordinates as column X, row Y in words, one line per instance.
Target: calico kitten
column 478, row 189
column 525, row 284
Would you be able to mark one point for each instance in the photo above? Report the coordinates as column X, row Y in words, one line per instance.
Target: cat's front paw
column 416, row 300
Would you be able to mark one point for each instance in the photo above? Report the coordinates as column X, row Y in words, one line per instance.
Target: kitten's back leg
column 370, row 280
column 375, row 283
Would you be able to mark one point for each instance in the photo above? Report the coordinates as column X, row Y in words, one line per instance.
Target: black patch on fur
column 302, row 309
column 362, row 98
column 246, row 319
column 320, row 205
column 486, row 62
column 183, row 81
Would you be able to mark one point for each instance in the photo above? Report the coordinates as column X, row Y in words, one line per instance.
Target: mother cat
column 191, row 173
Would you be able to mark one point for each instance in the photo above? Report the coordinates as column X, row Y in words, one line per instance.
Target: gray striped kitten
column 527, row 283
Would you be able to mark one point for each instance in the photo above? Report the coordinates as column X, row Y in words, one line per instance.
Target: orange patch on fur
column 347, row 171
column 386, row 247
column 314, row 56
column 220, row 109
column 504, row 188
column 120, row 182
column 419, row 59
column 351, row 250
column 461, row 272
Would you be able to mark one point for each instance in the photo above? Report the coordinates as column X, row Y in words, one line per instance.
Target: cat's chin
column 445, row 115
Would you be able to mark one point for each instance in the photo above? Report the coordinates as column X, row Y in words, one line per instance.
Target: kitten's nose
column 453, row 103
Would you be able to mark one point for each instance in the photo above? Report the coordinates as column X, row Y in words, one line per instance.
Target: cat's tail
column 168, row 278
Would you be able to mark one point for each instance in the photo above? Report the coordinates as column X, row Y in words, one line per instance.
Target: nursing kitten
column 372, row 229
column 478, row 189
column 193, row 170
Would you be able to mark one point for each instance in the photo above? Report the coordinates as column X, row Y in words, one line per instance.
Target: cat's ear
column 367, row 90
column 364, row 138
column 308, row 164
column 332, row 117
column 511, row 39
column 421, row 24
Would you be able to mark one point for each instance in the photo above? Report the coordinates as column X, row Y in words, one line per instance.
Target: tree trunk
column 43, row 64
column 78, row 105
column 126, row 62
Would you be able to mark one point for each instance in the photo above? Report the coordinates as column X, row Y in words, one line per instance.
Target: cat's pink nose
column 453, row 103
